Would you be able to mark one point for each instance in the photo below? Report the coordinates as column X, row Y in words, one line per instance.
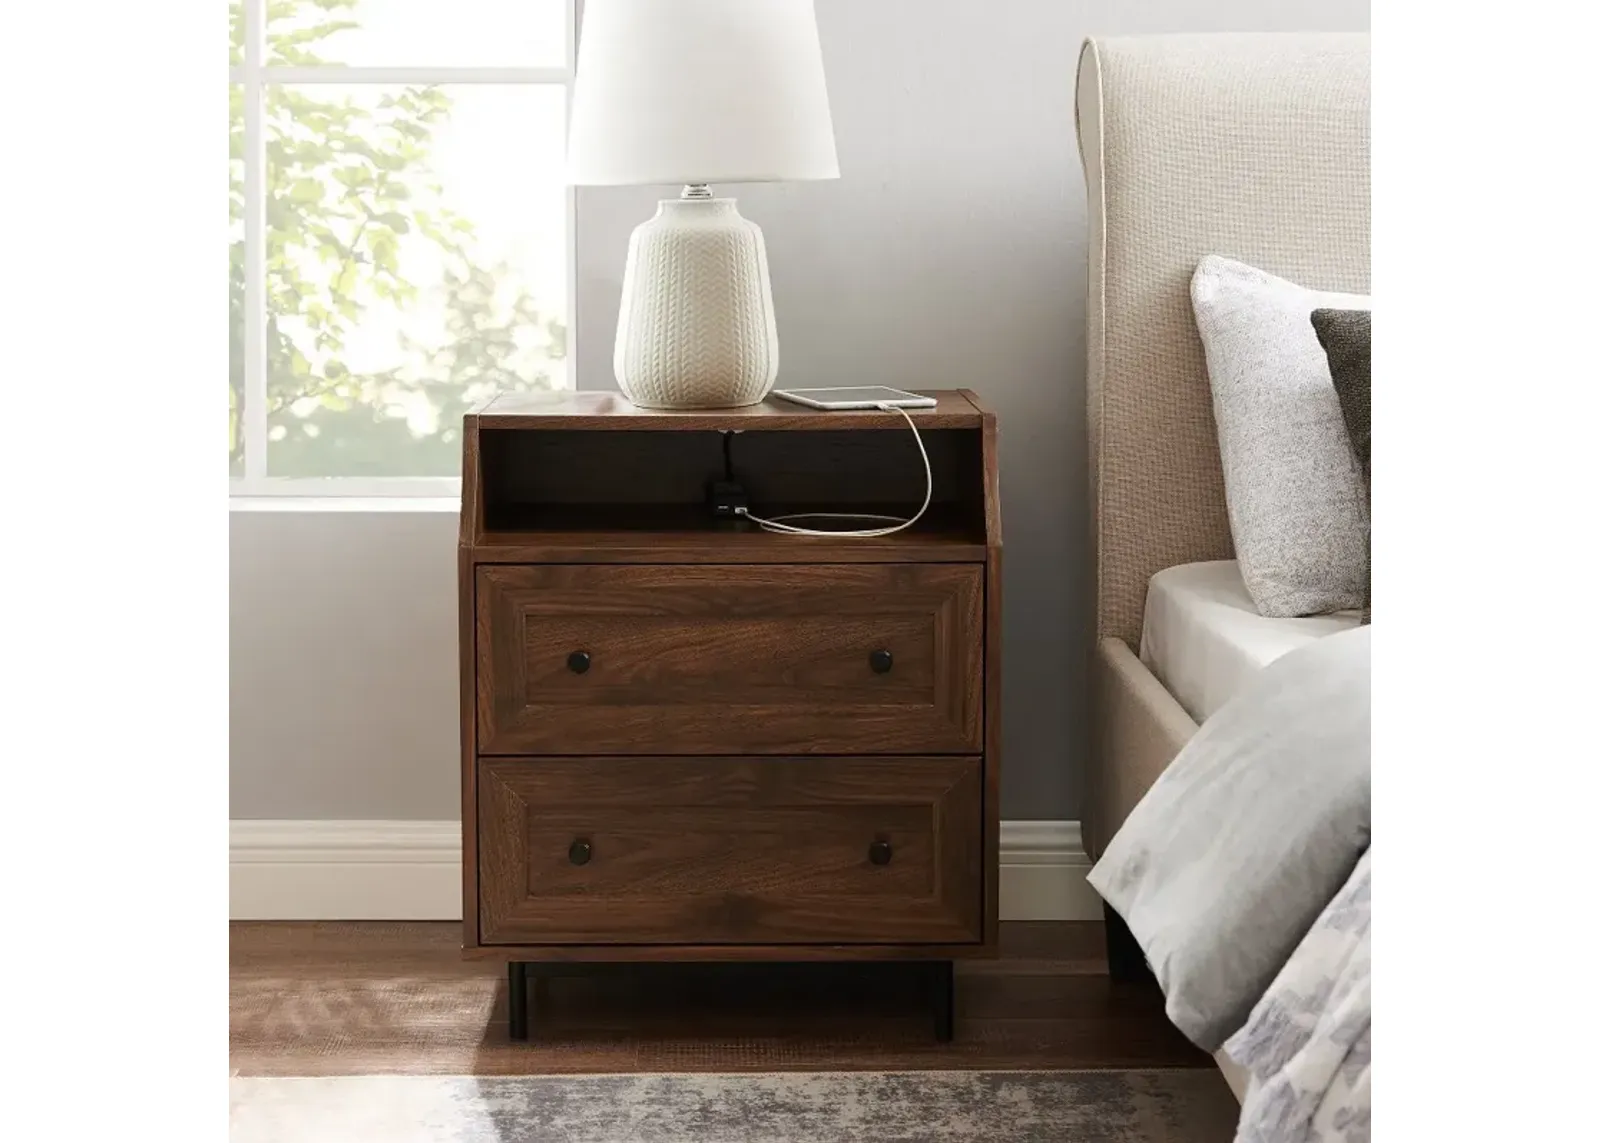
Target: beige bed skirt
column 1139, row 729
column 1236, row 1074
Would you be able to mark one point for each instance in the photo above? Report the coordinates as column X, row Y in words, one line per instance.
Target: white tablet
column 859, row 397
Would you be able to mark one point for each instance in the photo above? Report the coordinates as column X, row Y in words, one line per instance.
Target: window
column 400, row 228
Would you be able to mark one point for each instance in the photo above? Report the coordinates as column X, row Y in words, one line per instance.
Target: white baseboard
column 344, row 871
column 411, row 871
column 1042, row 871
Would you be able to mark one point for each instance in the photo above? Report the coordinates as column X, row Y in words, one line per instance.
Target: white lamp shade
column 699, row 91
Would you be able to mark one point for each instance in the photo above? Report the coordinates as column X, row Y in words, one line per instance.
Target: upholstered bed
column 1255, row 147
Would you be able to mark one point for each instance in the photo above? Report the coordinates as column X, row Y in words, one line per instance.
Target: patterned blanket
column 1308, row 1042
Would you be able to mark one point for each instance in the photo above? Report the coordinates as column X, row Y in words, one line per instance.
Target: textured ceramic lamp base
column 697, row 328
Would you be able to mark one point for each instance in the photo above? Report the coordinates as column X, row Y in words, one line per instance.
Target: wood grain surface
column 619, row 639
column 611, row 412
column 698, row 542
column 994, row 659
column 467, row 655
column 725, row 658
column 729, row 850
column 686, row 534
column 309, row 998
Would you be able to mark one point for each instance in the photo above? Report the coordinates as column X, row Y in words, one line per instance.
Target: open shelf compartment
column 551, row 488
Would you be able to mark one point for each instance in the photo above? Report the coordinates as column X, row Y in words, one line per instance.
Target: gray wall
column 950, row 253
column 342, row 654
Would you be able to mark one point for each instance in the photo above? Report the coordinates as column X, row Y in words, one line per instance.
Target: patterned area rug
column 1177, row 1106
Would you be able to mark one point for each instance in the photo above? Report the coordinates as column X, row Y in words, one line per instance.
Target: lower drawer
column 730, row 850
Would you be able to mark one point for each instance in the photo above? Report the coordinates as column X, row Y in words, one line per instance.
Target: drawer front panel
column 825, row 659
column 730, row 850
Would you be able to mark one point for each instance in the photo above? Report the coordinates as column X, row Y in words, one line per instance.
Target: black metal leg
column 1124, row 957
column 517, row 998
column 944, row 1000
column 538, row 994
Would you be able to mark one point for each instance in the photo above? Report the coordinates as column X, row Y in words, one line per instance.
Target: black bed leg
column 517, row 998
column 944, row 1000
column 1124, row 957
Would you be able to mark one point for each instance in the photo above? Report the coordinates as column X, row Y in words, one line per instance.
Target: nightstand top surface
column 567, row 409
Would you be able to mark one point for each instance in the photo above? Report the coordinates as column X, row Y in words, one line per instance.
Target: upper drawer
column 824, row 659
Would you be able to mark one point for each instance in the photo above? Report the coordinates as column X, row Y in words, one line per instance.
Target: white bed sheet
column 1203, row 637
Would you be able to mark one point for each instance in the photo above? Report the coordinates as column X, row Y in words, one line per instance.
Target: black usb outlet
column 724, row 497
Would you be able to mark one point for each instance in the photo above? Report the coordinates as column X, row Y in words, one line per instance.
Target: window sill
column 412, row 504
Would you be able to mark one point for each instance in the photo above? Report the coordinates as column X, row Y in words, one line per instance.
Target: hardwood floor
column 338, row 998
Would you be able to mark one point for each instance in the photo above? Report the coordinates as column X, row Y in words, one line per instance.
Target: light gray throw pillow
column 1226, row 862
column 1296, row 503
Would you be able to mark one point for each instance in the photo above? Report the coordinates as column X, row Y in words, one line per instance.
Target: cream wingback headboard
column 1252, row 146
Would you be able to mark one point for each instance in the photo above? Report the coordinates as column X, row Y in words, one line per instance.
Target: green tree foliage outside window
column 348, row 183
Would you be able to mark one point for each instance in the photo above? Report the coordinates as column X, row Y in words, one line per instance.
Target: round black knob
column 879, row 852
column 578, row 662
column 881, row 661
column 580, row 851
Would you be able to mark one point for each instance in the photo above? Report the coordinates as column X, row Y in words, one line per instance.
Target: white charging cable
column 895, row 524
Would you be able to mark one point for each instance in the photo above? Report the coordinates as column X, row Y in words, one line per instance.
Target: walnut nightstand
column 684, row 738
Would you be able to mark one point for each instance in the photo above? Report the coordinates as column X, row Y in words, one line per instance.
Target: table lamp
column 696, row 92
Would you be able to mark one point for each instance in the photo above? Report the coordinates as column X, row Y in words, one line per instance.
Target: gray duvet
column 1224, row 867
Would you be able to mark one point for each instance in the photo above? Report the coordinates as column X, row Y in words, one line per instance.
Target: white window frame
column 255, row 77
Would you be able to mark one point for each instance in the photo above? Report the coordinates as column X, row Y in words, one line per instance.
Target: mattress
column 1204, row 639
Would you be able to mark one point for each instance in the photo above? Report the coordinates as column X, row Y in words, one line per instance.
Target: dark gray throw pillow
column 1346, row 337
